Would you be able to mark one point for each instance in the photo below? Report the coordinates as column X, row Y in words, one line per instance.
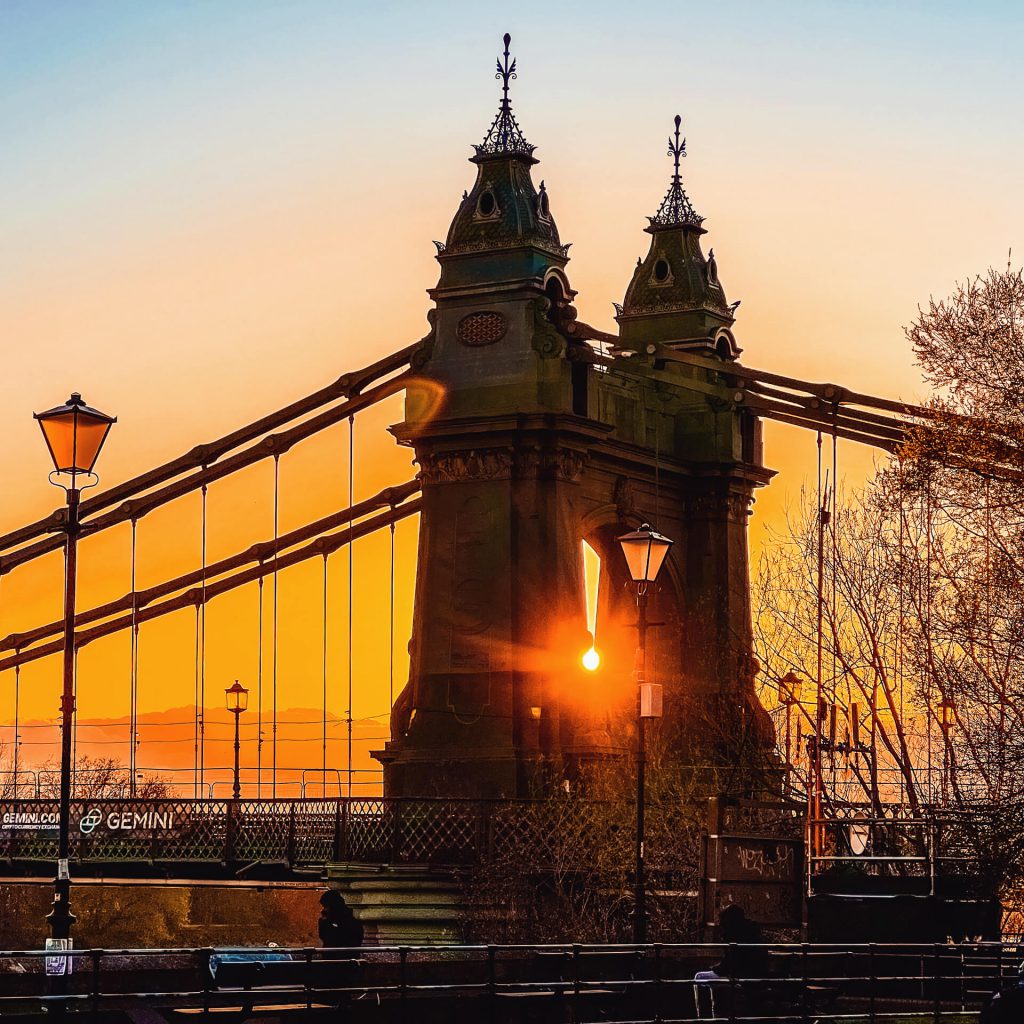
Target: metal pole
column 640, row 914
column 60, row 917
column 237, row 793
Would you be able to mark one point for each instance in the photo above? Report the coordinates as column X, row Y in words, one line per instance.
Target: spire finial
column 506, row 72
column 505, row 135
column 676, row 148
column 676, row 210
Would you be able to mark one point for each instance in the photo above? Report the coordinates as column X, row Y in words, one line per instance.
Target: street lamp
column 790, row 691
column 237, row 699
column 645, row 553
column 947, row 718
column 74, row 434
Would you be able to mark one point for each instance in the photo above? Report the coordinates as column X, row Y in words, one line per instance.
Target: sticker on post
column 58, row 965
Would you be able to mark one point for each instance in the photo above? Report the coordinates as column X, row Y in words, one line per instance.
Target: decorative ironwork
column 478, row 329
column 505, row 135
column 676, row 210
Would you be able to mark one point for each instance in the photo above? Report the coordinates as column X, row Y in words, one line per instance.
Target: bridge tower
column 525, row 450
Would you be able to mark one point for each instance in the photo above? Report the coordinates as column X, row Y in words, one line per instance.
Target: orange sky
column 210, row 215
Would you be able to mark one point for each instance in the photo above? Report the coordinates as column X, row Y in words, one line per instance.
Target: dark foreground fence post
column 936, row 976
column 872, row 982
column 95, row 955
column 204, row 961
column 803, row 987
column 402, row 954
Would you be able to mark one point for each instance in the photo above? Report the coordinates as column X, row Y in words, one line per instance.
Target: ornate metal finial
column 676, row 210
column 505, row 135
column 506, row 72
column 677, row 148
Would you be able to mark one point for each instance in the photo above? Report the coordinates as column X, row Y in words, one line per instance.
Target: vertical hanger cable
column 274, row 641
column 133, row 716
column 323, row 719
column 202, row 651
column 351, row 490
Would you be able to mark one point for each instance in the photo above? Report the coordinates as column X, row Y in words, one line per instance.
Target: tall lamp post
column 237, row 699
column 645, row 553
column 74, row 434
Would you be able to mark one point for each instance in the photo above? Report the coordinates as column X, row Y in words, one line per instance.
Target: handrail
column 824, row 982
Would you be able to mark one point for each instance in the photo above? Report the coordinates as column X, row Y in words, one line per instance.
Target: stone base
column 399, row 905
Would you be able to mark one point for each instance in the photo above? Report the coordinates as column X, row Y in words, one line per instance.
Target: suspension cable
column 351, row 488
column 900, row 637
column 202, row 650
column 195, row 713
column 17, row 720
column 273, row 728
column 259, row 692
column 816, row 799
column 323, row 717
column 133, row 695
column 391, row 625
column 928, row 632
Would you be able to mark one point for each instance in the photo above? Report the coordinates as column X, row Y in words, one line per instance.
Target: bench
column 266, row 980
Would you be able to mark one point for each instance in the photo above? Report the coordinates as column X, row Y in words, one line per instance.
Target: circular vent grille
column 482, row 328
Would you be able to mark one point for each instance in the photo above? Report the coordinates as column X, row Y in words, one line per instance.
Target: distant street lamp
column 947, row 718
column 790, row 689
column 237, row 699
column 74, row 434
column 645, row 553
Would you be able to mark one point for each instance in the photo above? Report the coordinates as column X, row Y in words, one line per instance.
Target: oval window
column 661, row 270
column 487, row 204
column 482, row 328
column 543, row 205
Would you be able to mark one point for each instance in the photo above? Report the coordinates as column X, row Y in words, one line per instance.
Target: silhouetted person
column 743, row 959
column 1006, row 1007
column 338, row 927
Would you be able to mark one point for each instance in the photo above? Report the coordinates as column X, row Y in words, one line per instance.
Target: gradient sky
column 210, row 209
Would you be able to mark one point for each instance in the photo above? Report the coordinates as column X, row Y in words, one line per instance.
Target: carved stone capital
column 472, row 464
column 732, row 505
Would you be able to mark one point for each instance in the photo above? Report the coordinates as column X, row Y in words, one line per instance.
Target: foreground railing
column 794, row 983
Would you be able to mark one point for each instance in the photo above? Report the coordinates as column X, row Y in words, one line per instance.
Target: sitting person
column 1006, row 1007
column 743, row 959
column 338, row 927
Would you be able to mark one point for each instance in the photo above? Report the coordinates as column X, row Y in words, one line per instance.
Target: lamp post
column 645, row 553
column 790, row 688
column 947, row 715
column 74, row 434
column 237, row 699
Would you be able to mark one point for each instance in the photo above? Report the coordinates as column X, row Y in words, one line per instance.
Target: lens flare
column 591, row 660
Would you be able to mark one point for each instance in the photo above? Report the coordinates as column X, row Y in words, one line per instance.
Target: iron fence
column 304, row 832
column 795, row 984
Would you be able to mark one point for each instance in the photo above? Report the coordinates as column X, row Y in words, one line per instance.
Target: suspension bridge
column 536, row 436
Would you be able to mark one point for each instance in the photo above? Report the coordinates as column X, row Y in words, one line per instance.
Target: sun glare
column 591, row 660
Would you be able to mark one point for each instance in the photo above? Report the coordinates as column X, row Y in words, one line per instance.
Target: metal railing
column 797, row 984
column 292, row 832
